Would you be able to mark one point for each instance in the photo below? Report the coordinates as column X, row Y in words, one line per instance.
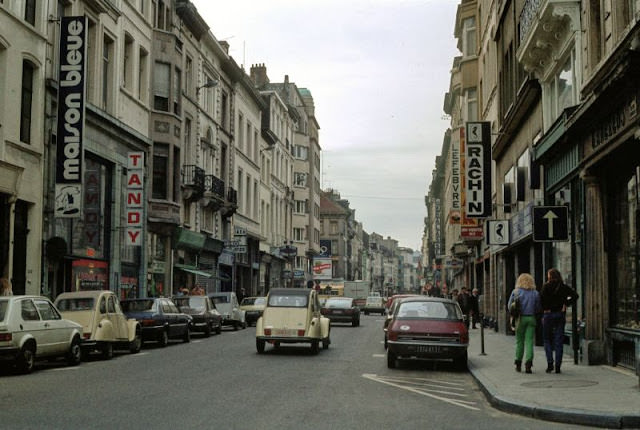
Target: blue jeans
column 553, row 335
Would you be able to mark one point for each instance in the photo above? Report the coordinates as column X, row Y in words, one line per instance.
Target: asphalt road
column 221, row 382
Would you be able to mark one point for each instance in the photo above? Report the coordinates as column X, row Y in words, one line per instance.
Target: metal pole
column 482, row 335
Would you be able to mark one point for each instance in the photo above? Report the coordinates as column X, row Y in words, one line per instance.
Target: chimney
column 258, row 74
column 225, row 46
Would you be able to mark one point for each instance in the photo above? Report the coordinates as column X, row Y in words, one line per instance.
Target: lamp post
column 289, row 252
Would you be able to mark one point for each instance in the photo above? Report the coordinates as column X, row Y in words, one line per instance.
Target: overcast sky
column 378, row 71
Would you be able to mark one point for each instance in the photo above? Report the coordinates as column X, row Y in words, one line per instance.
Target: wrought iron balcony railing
column 193, row 181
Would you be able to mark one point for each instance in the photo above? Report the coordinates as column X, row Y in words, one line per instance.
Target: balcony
column 192, row 182
column 213, row 192
column 231, row 205
column 545, row 26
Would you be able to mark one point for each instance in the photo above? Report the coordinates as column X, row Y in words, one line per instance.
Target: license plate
column 429, row 349
column 285, row 332
column 337, row 311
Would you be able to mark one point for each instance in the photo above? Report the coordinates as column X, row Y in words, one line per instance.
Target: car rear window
column 338, row 304
column 288, row 301
column 437, row 310
column 4, row 305
column 79, row 304
column 248, row 301
column 138, row 305
column 219, row 299
column 261, row 301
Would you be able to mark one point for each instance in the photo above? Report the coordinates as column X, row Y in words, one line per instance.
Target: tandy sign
column 70, row 128
column 477, row 170
column 135, row 197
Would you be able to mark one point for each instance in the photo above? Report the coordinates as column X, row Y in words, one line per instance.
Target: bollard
column 482, row 335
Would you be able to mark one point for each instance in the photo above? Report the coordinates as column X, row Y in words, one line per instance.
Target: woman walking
column 555, row 298
column 525, row 292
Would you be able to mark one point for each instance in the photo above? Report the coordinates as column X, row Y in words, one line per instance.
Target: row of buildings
column 556, row 83
column 137, row 155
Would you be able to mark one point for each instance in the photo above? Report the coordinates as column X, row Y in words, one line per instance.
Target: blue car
column 160, row 318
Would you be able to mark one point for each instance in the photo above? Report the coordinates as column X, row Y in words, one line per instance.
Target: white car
column 229, row 307
column 32, row 328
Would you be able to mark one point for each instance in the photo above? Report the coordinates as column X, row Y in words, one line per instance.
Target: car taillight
column 324, row 311
column 301, row 332
column 464, row 337
column 392, row 335
column 267, row 332
column 147, row 322
column 86, row 335
column 5, row 337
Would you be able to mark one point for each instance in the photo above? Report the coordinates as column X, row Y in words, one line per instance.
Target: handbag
column 514, row 309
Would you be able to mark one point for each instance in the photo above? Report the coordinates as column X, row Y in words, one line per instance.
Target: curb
column 567, row 416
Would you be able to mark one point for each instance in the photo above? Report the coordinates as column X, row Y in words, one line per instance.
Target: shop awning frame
column 194, row 270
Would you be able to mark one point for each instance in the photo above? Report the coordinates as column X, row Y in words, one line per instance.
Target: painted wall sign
column 477, row 170
column 135, row 198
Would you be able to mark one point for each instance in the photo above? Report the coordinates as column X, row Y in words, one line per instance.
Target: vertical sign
column 456, row 188
column 477, row 170
column 135, row 197
column 70, row 128
column 438, row 229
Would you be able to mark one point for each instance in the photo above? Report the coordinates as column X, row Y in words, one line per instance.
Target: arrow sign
column 550, row 223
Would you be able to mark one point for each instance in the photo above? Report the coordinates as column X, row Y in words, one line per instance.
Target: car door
column 58, row 332
column 33, row 324
column 179, row 320
column 117, row 318
column 166, row 316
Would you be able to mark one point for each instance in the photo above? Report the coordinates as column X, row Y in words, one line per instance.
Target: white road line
column 63, row 369
column 456, row 402
column 379, row 355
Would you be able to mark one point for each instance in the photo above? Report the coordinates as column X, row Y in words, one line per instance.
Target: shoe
column 549, row 368
column 558, row 369
column 527, row 367
column 518, row 364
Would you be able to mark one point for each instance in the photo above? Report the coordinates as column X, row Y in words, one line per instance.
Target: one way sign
column 550, row 223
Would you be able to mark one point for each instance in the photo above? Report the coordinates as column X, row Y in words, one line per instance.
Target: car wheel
column 187, row 336
column 315, row 347
column 163, row 340
column 325, row 343
column 276, row 345
column 136, row 344
column 27, row 358
column 207, row 330
column 244, row 325
column 460, row 363
column 354, row 323
column 260, row 346
column 235, row 325
column 219, row 329
column 74, row 356
column 391, row 360
column 107, row 351
column 366, row 312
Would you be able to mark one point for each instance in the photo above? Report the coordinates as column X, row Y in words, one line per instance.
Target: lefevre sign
column 70, row 127
column 477, row 170
column 135, row 197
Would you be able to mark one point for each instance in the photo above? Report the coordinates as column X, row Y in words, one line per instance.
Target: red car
column 427, row 328
column 341, row 309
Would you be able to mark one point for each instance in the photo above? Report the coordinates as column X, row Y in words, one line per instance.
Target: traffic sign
column 497, row 232
column 550, row 223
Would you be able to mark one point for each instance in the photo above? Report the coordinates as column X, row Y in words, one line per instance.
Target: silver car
column 32, row 328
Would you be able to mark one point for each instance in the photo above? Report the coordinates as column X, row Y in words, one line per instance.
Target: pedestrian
column 555, row 297
column 465, row 304
column 475, row 307
column 529, row 298
column 5, row 287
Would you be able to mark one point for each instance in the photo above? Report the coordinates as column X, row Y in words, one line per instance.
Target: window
column 301, row 152
column 472, row 104
column 239, row 188
column 561, row 90
column 224, row 111
column 240, row 132
column 188, row 76
column 247, row 196
column 333, row 227
column 300, row 179
column 30, row 11
column 187, row 141
column 107, row 71
column 161, row 86
column 300, row 207
column 29, row 311
column 469, row 37
column 142, row 75
column 127, row 63
column 47, row 311
column 159, row 187
column 177, row 76
column 161, row 15
column 299, row 234
column 26, row 102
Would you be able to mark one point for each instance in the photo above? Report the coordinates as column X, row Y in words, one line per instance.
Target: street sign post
column 550, row 223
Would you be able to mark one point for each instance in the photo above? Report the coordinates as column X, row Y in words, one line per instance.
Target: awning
column 191, row 269
column 187, row 239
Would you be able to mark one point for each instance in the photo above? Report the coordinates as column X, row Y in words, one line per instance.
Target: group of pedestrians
column 551, row 302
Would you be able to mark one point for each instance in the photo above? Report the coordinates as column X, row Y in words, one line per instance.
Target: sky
column 378, row 71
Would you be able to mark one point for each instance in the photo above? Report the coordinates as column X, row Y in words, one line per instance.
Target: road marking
column 379, row 355
column 139, row 354
column 61, row 369
column 446, row 385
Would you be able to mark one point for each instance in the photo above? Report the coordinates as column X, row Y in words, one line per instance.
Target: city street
column 221, row 382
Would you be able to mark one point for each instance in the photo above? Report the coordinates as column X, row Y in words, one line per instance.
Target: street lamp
column 209, row 84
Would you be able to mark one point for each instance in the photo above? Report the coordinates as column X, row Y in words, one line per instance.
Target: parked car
column 206, row 317
column 104, row 325
column 341, row 309
column 374, row 304
column 160, row 319
column 227, row 304
column 253, row 308
column 427, row 328
column 31, row 328
column 292, row 315
column 394, row 297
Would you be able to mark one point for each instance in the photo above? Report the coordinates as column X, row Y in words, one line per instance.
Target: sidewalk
column 600, row 396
